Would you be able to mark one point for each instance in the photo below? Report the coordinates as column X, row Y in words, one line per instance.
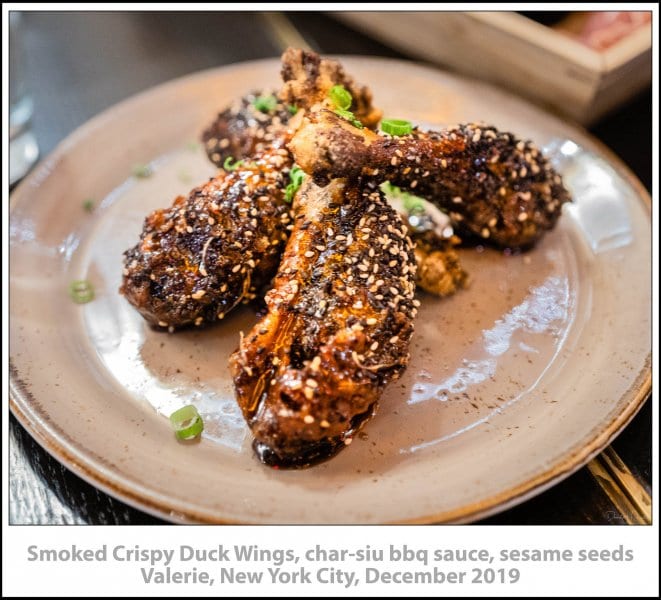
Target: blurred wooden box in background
column 520, row 54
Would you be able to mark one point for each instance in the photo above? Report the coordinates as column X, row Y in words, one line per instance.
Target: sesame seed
column 485, row 233
column 162, row 324
column 308, row 419
column 347, row 441
column 309, row 254
column 236, row 268
column 275, row 361
column 311, row 383
column 457, row 200
column 371, row 321
column 197, row 295
column 325, row 424
column 394, row 339
column 309, row 393
column 522, row 216
column 198, row 321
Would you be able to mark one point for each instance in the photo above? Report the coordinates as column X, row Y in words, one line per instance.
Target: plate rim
column 156, row 503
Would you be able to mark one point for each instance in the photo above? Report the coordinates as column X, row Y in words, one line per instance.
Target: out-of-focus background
column 593, row 68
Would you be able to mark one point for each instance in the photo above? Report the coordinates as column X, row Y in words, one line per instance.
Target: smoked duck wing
column 212, row 249
column 258, row 119
column 246, row 127
column 337, row 330
column 492, row 185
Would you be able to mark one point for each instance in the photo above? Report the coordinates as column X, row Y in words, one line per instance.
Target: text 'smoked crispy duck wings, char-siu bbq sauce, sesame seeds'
column 492, row 185
column 337, row 330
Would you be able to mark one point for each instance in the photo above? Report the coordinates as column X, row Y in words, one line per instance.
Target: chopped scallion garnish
column 396, row 126
column 349, row 116
column 340, row 96
column 412, row 204
column 88, row 205
column 265, row 104
column 296, row 177
column 81, row 291
column 141, row 171
column 186, row 422
column 230, row 165
column 292, row 109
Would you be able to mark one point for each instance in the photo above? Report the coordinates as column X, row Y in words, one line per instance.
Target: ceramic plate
column 513, row 384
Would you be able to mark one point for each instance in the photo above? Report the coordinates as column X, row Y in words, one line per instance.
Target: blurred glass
column 23, row 148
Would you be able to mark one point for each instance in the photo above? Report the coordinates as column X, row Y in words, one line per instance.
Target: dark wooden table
column 81, row 63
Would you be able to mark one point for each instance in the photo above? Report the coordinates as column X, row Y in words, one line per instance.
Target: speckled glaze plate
column 513, row 384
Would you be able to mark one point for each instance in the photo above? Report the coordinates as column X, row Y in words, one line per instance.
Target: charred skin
column 213, row 249
column 492, row 185
column 308, row 78
column 242, row 129
column 337, row 330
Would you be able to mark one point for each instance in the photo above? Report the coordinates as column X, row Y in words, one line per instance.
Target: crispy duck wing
column 308, row 78
column 259, row 119
column 214, row 248
column 219, row 245
column 246, row 128
column 337, row 330
column 491, row 184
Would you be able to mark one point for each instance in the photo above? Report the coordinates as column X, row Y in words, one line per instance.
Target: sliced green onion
column 230, row 165
column 396, row 126
column 296, row 177
column 340, row 96
column 292, row 109
column 412, row 204
column 349, row 116
column 265, row 104
column 81, row 291
column 88, row 204
column 186, row 422
column 141, row 171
